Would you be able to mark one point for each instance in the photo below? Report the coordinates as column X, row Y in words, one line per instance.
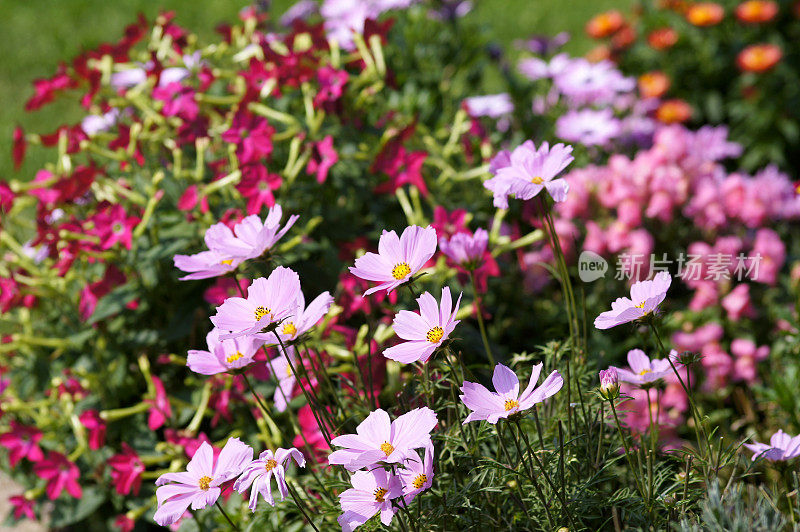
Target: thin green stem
column 481, row 325
column 633, row 469
column 226, row 515
column 300, row 507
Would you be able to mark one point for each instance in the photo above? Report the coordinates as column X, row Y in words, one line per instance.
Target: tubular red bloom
column 756, row 11
column 604, row 24
column 705, row 14
column 662, row 38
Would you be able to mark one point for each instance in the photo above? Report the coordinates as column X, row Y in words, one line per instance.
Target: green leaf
column 68, row 511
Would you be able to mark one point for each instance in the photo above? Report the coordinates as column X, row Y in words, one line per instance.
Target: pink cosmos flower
column 200, row 484
column 222, row 355
column 426, row 331
column 305, row 318
column 737, row 303
column 60, row 474
column 126, row 471
column 747, row 357
column 417, row 476
column 464, row 249
column 781, row 447
column 205, row 264
column 372, row 492
column 260, row 471
column 379, row 440
column 160, row 410
column 398, row 259
column 645, row 298
column 22, row 442
column 507, row 400
column 268, row 301
column 589, row 127
column 643, row 370
column 97, row 428
column 530, row 170
column 260, row 236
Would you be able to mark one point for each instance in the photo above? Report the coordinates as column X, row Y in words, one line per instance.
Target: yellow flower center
column 227, row 262
column 536, row 180
column 644, row 372
column 387, row 448
column 419, row 481
column 289, row 329
column 401, row 270
column 380, row 493
column 288, row 370
column 204, row 483
column 234, row 357
column 510, row 403
column 640, row 305
column 271, row 464
column 434, row 335
column 261, row 312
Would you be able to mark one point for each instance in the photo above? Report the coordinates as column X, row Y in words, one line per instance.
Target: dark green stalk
column 479, row 314
column 226, row 515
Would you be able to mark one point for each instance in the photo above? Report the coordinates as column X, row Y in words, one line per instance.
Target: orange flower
column 705, row 14
column 673, row 112
column 604, row 24
column 759, row 57
column 598, row 53
column 662, row 38
column 653, row 84
column 756, row 11
column 678, row 6
column 625, row 37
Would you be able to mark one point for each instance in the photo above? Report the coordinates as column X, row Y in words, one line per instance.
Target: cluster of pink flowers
column 209, row 473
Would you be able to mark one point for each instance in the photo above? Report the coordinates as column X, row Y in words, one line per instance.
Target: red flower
column 6, row 197
column 224, row 288
column 189, row 200
column 60, row 474
column 404, row 169
column 178, row 101
column 93, row 292
column 252, row 136
column 161, row 410
column 47, row 88
column 257, row 185
column 322, row 158
column 124, row 523
column 22, row 442
column 19, row 148
column 22, row 507
column 126, row 471
column 331, row 85
column 448, row 224
column 605, row 24
column 113, row 226
column 759, row 57
column 97, row 428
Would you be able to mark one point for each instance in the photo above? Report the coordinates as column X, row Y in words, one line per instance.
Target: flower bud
column 609, row 383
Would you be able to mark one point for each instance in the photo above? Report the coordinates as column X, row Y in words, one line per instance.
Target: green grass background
column 38, row 34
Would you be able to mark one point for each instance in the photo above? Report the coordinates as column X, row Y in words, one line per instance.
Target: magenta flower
column 645, row 298
column 464, row 249
column 372, row 492
column 160, row 410
column 22, row 442
column 222, row 355
column 643, row 370
column 199, row 485
column 259, row 472
column 398, row 259
column 96, row 426
column 379, row 440
column 304, row 317
column 268, row 301
column 126, row 471
column 507, row 400
column 781, row 447
column 417, row 475
column 60, row 474
column 426, row 331
column 23, row 507
column 529, row 171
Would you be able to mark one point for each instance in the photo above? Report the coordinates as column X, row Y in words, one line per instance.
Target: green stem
column 226, row 515
column 481, row 325
column 634, row 470
column 300, row 507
